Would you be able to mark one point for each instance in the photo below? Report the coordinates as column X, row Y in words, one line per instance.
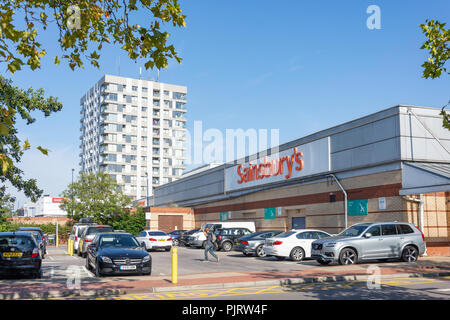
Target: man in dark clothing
column 209, row 247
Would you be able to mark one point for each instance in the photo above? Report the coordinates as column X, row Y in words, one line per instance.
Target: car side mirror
column 367, row 235
column 143, row 245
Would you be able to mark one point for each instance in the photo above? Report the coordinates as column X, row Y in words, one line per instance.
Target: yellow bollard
column 68, row 247
column 174, row 265
column 70, row 244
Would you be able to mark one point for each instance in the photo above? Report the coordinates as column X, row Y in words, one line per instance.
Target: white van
column 198, row 239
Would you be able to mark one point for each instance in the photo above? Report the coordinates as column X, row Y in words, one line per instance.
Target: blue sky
column 297, row 66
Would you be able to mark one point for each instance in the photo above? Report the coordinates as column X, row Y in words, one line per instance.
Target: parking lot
column 190, row 261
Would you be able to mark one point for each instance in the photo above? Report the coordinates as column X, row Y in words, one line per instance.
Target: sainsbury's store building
column 393, row 165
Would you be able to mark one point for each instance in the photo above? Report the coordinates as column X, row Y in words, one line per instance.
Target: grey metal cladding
column 370, row 133
column 366, row 155
column 196, row 186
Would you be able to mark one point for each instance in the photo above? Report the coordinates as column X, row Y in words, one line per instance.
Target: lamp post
column 72, row 191
column 147, row 200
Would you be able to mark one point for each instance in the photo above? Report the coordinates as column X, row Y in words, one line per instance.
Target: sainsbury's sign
column 303, row 160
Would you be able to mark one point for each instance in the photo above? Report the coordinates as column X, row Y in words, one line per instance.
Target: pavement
column 62, row 278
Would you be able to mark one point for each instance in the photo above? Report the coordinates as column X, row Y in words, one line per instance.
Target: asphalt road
column 190, row 260
column 389, row 289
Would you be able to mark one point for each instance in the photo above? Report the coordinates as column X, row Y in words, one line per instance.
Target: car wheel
column 167, row 249
column 260, row 251
column 297, row 254
column 98, row 272
column 88, row 265
column 410, row 254
column 324, row 262
column 279, row 258
column 204, row 244
column 227, row 246
column 175, row 242
column 348, row 256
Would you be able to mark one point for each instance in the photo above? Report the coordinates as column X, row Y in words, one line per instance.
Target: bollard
column 174, row 265
column 68, row 247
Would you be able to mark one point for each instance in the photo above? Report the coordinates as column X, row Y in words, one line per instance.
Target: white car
column 294, row 244
column 155, row 239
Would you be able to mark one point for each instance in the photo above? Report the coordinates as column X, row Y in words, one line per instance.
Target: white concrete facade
column 47, row 206
column 131, row 128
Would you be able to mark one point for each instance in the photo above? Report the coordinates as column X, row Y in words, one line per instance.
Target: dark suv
column 226, row 237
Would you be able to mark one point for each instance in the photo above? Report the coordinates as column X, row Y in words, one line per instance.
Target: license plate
column 127, row 267
column 162, row 240
column 12, row 254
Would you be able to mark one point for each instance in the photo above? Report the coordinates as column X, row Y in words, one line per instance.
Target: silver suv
column 371, row 241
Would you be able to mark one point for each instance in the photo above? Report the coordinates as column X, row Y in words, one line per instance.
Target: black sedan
column 19, row 253
column 176, row 236
column 253, row 243
column 117, row 253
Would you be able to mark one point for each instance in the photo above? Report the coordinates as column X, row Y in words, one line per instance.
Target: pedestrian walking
column 209, row 247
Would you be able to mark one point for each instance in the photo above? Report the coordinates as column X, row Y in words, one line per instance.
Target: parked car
column 118, row 252
column 371, row 241
column 19, row 253
column 40, row 245
column 89, row 234
column 76, row 233
column 253, row 244
column 41, row 237
column 294, row 244
column 176, row 235
column 198, row 239
column 226, row 237
column 155, row 239
column 185, row 238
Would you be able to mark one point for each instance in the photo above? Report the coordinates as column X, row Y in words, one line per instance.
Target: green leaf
column 44, row 151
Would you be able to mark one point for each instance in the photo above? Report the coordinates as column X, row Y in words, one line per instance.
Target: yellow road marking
column 210, row 293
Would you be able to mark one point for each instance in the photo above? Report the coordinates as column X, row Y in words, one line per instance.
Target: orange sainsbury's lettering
column 270, row 168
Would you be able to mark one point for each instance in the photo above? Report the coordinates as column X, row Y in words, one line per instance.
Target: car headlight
column 146, row 259
column 331, row 244
column 106, row 260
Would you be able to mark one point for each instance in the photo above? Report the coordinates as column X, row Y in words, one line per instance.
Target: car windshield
column 118, row 241
column 285, row 234
column 22, row 243
column 95, row 230
column 354, row 231
column 37, row 234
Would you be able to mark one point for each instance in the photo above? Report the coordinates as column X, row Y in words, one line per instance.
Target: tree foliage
column 130, row 222
column 438, row 46
column 96, row 196
column 19, row 103
column 84, row 26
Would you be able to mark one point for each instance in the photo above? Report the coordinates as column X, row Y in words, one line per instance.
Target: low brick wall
column 40, row 220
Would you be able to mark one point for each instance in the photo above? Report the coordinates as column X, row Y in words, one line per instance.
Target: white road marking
column 90, row 274
column 443, row 290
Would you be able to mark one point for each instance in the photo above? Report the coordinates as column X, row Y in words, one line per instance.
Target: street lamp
column 72, row 191
column 147, row 201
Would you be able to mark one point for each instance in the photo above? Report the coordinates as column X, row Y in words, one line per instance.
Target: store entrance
column 298, row 223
